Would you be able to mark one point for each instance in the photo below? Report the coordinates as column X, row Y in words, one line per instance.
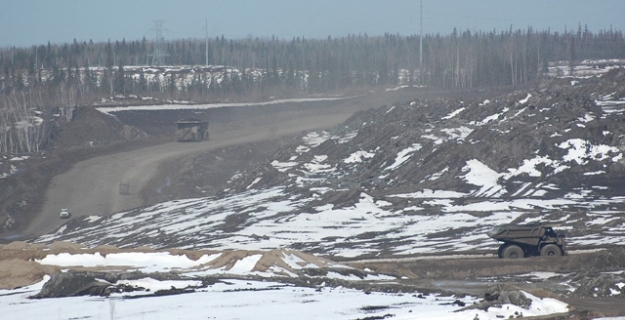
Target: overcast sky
column 29, row 22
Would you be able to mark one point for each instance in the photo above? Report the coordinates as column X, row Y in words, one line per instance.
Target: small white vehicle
column 65, row 214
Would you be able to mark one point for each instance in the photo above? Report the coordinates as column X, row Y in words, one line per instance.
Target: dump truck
column 529, row 240
column 191, row 130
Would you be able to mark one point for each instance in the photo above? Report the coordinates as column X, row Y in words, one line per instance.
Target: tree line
column 77, row 73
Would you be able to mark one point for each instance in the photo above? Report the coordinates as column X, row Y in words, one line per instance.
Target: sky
column 31, row 22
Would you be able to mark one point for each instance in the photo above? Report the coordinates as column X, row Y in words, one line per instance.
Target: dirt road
column 92, row 186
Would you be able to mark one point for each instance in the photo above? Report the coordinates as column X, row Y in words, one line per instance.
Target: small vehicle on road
column 65, row 214
column 529, row 240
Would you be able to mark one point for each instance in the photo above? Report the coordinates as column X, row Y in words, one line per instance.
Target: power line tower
column 207, row 42
column 158, row 56
column 421, row 45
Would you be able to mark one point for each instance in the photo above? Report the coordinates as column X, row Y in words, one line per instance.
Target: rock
column 601, row 285
column 71, row 284
column 500, row 294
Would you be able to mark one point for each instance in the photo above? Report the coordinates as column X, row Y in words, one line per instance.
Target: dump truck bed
column 521, row 234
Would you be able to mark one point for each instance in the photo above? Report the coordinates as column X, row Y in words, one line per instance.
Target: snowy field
column 240, row 299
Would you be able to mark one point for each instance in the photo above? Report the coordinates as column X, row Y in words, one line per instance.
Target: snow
column 358, row 156
column 146, row 262
column 524, row 101
column 488, row 119
column 178, row 106
column 587, row 118
column 453, row 114
column 439, row 174
column 580, row 151
column 459, row 133
column 22, row 158
column 283, row 166
column 594, row 173
column 253, row 183
column 242, row 299
column 529, row 167
column 403, row 156
column 152, row 285
column 314, row 139
column 543, row 274
column 250, row 299
column 479, row 174
column 245, row 265
column 427, row 193
column 317, row 166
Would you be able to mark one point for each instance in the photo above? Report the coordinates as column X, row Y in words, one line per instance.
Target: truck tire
column 500, row 250
column 550, row 250
column 513, row 252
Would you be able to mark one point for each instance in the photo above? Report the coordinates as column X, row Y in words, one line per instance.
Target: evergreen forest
column 41, row 77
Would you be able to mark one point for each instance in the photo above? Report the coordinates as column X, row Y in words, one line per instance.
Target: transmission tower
column 421, row 43
column 207, row 42
column 158, row 56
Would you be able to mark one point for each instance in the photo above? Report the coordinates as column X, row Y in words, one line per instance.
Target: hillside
column 379, row 216
column 416, row 177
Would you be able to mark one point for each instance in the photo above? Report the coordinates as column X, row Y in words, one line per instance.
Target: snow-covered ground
column 239, row 299
column 244, row 299
column 272, row 223
column 585, row 68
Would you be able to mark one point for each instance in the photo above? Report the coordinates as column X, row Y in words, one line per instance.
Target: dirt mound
column 21, row 245
column 206, row 174
column 599, row 285
column 64, row 246
column 91, row 128
column 276, row 258
column 18, row 273
column 528, row 138
column 611, row 260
